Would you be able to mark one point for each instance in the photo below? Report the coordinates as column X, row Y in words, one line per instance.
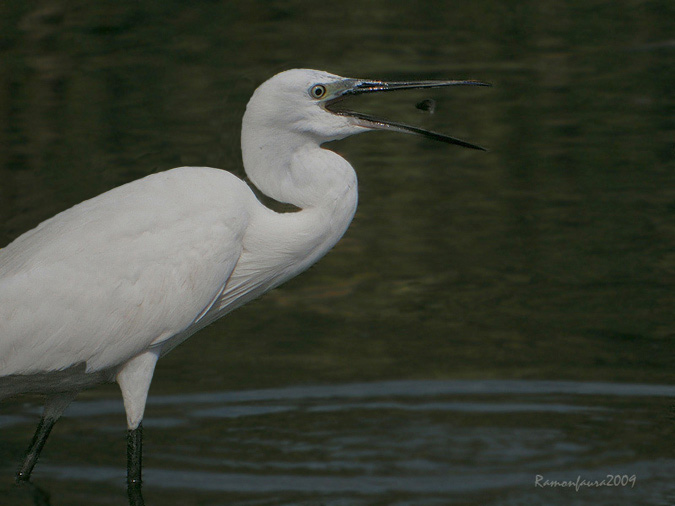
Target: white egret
column 102, row 290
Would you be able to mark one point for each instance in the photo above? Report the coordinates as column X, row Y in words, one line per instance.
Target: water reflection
column 37, row 494
column 395, row 442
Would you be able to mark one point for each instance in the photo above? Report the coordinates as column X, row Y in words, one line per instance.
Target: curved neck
column 289, row 164
column 293, row 168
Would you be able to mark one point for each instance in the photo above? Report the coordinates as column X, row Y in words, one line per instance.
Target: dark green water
column 496, row 290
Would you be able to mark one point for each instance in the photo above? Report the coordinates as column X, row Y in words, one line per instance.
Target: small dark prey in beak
column 358, row 87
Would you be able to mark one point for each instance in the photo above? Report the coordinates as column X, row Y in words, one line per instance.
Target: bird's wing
column 108, row 278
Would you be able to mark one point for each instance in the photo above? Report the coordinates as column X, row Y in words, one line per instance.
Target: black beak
column 352, row 87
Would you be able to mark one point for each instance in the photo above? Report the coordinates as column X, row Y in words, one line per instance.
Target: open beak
column 350, row 87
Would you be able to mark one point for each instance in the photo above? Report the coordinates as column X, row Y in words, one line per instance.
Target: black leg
column 39, row 440
column 134, row 465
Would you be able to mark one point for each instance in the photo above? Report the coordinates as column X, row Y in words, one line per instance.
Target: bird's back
column 114, row 275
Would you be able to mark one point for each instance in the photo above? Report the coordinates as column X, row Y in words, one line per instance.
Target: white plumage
column 102, row 290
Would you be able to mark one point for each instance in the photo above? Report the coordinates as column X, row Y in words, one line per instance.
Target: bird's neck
column 294, row 169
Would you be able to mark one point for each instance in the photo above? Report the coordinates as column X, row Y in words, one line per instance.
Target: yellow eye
column 318, row 91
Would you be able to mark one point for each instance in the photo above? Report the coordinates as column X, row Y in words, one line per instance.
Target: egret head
column 309, row 102
column 290, row 115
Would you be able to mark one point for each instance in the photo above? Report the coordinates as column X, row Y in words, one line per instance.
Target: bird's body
column 164, row 256
column 100, row 291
